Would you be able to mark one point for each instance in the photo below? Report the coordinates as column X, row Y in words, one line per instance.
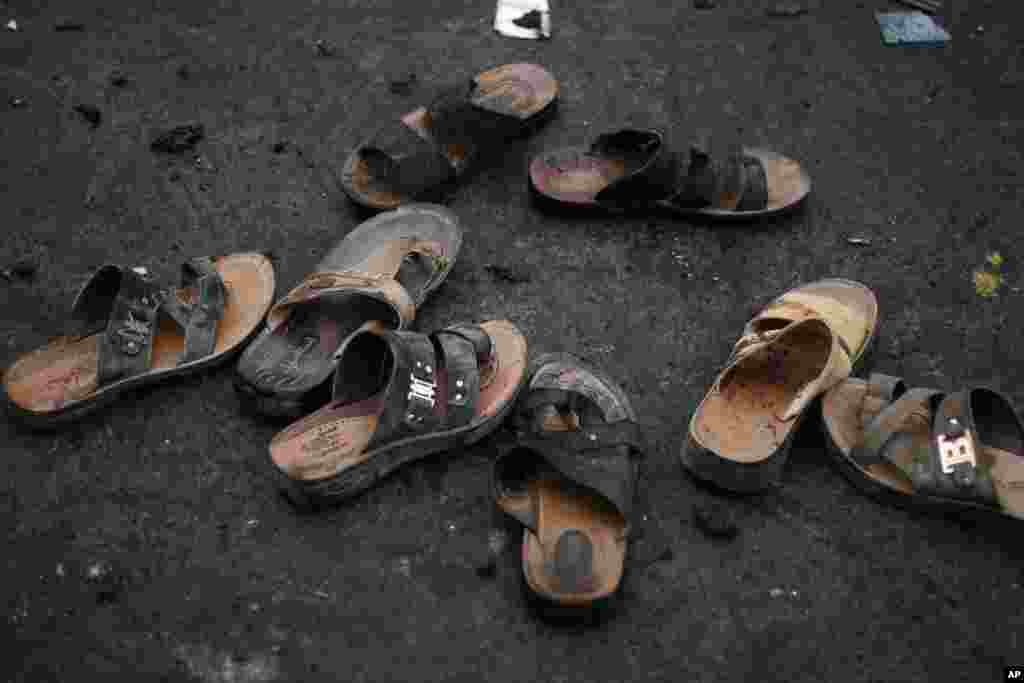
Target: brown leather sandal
column 642, row 170
column 926, row 449
column 570, row 478
column 399, row 397
column 427, row 150
column 802, row 344
column 125, row 332
column 383, row 270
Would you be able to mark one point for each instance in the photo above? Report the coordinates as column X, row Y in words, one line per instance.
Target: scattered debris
column 988, row 279
column 323, row 595
column 787, row 9
column 203, row 164
column 66, row 24
column 178, row 139
column 776, row 592
column 324, row 48
column 184, row 72
column 913, row 28
column 12, row 25
column 118, row 80
column 510, row 275
column 20, row 270
column 279, row 147
column 715, row 520
column 60, row 570
column 404, row 85
column 859, row 241
column 704, row 4
column 529, row 19
column 17, row 102
column 90, row 114
column 934, row 92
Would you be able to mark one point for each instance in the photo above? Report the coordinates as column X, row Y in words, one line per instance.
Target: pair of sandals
column 959, row 452
column 424, row 153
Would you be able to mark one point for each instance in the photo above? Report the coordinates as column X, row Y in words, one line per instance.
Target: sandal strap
column 404, row 161
column 345, row 283
column 659, row 170
column 125, row 347
column 950, row 466
column 435, row 383
column 201, row 316
column 881, row 391
column 653, row 166
column 600, row 457
column 730, row 179
column 456, row 120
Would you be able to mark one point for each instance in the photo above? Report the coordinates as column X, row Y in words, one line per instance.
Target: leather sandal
column 383, row 270
column 800, row 346
column 643, row 170
column 399, row 397
column 420, row 155
column 125, row 331
column 957, row 453
column 570, row 479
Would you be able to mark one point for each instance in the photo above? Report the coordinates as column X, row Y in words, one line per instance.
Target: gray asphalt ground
column 148, row 542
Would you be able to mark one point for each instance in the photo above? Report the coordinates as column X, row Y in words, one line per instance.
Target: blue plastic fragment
column 910, row 28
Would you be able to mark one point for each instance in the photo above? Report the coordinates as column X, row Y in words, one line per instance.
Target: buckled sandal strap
column 126, row 346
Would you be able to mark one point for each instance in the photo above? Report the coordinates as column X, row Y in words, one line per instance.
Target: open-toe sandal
column 382, row 271
column 399, row 397
column 424, row 153
column 126, row 331
column 802, row 344
column 570, row 479
column 950, row 453
column 642, row 170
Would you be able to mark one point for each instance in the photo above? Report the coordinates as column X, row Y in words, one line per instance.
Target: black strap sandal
column 570, row 479
column 126, row 331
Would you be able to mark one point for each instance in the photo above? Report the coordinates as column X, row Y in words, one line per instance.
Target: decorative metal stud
column 592, row 437
column 458, row 397
column 459, row 383
column 132, row 348
column 428, row 369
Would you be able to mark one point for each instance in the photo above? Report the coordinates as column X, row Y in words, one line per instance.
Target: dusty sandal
column 948, row 453
column 428, row 149
column 125, row 332
column 383, row 270
column 798, row 347
column 398, row 397
column 570, row 479
column 630, row 170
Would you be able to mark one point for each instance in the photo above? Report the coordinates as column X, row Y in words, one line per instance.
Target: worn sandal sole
column 532, row 82
column 752, row 477
column 840, row 430
column 69, row 369
column 497, row 399
column 571, row 179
